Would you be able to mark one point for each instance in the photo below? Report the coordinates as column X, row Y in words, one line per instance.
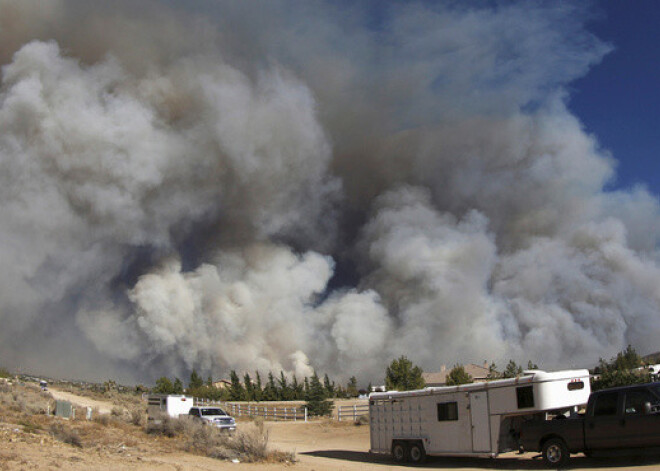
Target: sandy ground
column 319, row 446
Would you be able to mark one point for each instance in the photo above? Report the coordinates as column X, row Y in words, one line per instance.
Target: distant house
column 222, row 384
column 479, row 373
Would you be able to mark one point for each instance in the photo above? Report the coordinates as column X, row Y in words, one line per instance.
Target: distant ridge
column 652, row 358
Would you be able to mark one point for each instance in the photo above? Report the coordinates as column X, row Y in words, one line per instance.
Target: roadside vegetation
column 27, row 411
column 626, row 368
column 249, row 444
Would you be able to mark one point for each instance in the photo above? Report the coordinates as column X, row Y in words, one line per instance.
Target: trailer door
column 480, row 421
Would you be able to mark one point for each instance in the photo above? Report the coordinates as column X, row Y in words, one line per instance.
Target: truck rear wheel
column 399, row 451
column 555, row 453
column 417, row 453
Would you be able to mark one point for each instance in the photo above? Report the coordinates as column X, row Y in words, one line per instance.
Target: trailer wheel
column 399, row 451
column 555, row 453
column 417, row 453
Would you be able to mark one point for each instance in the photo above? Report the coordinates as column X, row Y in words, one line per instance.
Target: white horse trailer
column 477, row 419
column 161, row 405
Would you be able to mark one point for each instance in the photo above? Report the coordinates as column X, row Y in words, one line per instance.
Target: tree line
column 401, row 375
column 256, row 389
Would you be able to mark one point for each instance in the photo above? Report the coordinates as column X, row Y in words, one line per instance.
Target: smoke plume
column 309, row 185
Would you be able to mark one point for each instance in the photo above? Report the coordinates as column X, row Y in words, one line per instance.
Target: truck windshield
column 213, row 412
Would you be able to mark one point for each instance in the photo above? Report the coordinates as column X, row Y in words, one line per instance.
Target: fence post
column 305, row 413
column 354, row 413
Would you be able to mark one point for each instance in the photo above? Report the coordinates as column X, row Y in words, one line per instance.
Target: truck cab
column 213, row 416
column 622, row 418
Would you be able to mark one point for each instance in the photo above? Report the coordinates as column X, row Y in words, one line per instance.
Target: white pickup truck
column 213, row 416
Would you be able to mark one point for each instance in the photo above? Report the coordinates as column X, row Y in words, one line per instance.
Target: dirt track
column 102, row 406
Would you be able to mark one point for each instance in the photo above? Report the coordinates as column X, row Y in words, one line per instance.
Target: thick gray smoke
column 307, row 185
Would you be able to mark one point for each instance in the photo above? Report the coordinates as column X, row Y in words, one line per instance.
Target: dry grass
column 24, row 408
column 362, row 420
column 66, row 434
column 249, row 444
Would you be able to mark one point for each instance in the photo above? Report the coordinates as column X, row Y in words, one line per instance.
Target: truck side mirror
column 647, row 407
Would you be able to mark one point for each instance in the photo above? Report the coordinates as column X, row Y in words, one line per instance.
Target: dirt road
column 102, row 406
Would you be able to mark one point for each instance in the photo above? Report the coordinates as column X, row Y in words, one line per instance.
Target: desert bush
column 117, row 411
column 103, row 419
column 362, row 420
column 65, row 435
column 250, row 444
column 165, row 425
column 137, row 417
column 29, row 426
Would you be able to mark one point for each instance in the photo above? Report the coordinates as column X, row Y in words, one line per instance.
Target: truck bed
column 535, row 432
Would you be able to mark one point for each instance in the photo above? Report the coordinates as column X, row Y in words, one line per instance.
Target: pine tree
column 164, row 386
column 492, row 372
column 621, row 371
column 258, row 390
column 270, row 391
column 196, row 381
column 351, row 387
column 177, row 387
column 402, row 375
column 458, row 375
column 512, row 370
column 329, row 387
column 297, row 389
column 236, row 390
column 317, row 404
column 249, row 387
column 284, row 391
column 209, row 381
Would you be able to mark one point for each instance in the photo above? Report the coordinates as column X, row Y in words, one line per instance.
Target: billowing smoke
column 309, row 186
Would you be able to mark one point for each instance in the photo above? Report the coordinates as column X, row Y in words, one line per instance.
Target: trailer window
column 575, row 385
column 447, row 411
column 525, row 396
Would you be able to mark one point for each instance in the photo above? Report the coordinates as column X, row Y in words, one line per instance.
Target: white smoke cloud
column 216, row 186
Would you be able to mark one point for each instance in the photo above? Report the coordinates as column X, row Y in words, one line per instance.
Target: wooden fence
column 352, row 412
column 284, row 413
column 268, row 412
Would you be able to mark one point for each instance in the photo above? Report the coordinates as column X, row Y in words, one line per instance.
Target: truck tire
column 416, row 453
column 400, row 451
column 555, row 453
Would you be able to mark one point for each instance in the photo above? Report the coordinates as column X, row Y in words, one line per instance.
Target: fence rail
column 352, row 412
column 284, row 413
column 276, row 413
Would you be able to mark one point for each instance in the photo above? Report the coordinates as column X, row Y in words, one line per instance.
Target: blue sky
column 619, row 99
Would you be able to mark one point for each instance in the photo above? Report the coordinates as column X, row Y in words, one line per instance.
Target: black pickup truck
column 624, row 418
